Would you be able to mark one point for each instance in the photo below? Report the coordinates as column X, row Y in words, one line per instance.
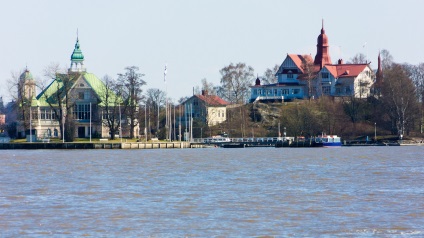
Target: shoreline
column 152, row 145
column 96, row 145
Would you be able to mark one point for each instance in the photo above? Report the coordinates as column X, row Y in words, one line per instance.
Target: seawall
column 124, row 145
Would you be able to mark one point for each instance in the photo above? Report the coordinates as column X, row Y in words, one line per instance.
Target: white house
column 207, row 108
column 301, row 77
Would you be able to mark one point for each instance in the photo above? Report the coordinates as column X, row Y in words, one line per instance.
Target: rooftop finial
column 77, row 34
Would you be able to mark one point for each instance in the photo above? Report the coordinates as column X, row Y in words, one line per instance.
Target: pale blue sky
column 198, row 38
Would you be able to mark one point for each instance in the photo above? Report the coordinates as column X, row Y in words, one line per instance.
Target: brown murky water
column 248, row 192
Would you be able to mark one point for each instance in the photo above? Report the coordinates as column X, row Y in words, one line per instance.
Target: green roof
column 99, row 89
column 95, row 84
column 77, row 54
column 26, row 76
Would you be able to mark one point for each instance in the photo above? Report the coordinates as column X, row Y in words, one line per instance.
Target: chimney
column 204, row 92
column 340, row 61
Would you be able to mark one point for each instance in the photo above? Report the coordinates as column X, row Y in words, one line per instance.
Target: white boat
column 329, row 140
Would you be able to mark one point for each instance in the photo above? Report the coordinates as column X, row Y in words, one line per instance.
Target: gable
column 209, row 100
column 346, row 70
column 293, row 64
column 47, row 96
column 85, row 80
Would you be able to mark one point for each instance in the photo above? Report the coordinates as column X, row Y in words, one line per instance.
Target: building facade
column 84, row 102
column 302, row 77
column 209, row 109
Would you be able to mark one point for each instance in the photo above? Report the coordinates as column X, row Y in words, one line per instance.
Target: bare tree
column 205, row 86
column 17, row 90
column 269, row 76
column 111, row 100
column 130, row 84
column 386, row 59
column 235, row 82
column 358, row 59
column 309, row 75
column 155, row 99
column 416, row 73
column 60, row 99
column 399, row 98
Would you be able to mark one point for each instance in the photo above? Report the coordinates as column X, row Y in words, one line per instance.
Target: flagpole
column 174, row 124
column 90, row 122
column 166, row 104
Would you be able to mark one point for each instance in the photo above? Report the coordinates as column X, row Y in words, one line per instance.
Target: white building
column 301, row 77
column 207, row 108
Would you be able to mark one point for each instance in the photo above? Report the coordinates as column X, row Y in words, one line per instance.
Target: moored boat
column 299, row 142
column 329, row 140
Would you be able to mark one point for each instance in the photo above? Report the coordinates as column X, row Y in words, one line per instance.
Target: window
column 255, row 91
column 285, row 91
column 289, row 75
column 275, row 91
column 324, row 75
column 259, row 92
column 82, row 111
column 347, row 89
column 87, row 94
column 326, row 90
column 295, row 91
column 81, row 95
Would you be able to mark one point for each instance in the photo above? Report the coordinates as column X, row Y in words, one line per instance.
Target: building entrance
column 81, row 132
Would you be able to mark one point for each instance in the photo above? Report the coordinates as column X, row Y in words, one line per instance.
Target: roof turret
column 77, row 59
column 26, row 76
column 77, row 54
column 323, row 56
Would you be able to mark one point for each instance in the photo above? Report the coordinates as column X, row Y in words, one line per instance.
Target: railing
column 241, row 139
column 272, row 97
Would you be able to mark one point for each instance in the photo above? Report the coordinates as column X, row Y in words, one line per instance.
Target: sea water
column 214, row 192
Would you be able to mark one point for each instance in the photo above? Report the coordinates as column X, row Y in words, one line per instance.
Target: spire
column 379, row 74
column 257, row 81
column 323, row 56
column 77, row 58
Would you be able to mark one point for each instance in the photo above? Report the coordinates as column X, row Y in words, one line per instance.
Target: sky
column 197, row 38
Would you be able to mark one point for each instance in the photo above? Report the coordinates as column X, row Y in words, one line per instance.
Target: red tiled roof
column 212, row 100
column 298, row 59
column 345, row 70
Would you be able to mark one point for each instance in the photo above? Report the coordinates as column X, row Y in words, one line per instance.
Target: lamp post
column 145, row 121
column 120, row 122
column 375, row 132
column 30, row 124
column 63, row 128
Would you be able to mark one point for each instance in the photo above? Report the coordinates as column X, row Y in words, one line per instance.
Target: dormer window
column 324, row 75
column 290, row 74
